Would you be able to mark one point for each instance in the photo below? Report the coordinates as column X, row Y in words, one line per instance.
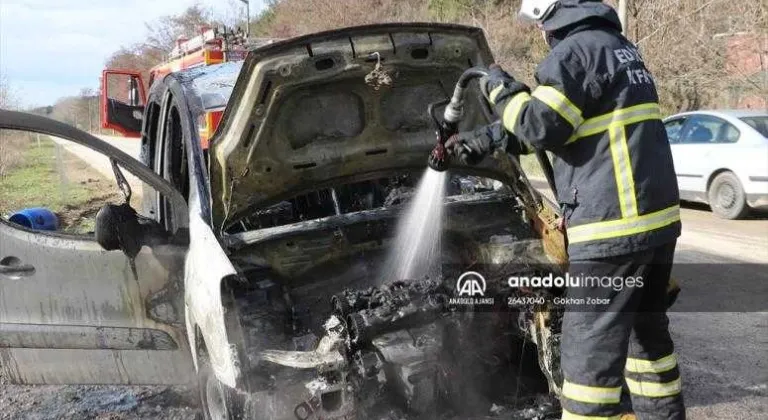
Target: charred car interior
column 350, row 198
column 326, row 335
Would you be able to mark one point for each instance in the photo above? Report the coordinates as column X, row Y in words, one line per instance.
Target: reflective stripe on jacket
column 596, row 109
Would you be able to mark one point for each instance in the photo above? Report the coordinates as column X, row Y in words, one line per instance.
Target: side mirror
column 120, row 227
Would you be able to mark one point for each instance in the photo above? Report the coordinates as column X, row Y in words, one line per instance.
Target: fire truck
column 123, row 93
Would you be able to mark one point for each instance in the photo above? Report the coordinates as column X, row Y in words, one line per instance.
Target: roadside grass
column 56, row 180
column 12, row 144
column 37, row 183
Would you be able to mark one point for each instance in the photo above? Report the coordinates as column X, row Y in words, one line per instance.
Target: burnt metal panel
column 253, row 148
column 84, row 337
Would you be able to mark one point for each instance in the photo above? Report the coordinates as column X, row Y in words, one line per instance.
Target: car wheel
column 218, row 401
column 726, row 197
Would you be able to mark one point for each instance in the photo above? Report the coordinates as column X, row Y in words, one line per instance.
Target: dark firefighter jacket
column 596, row 109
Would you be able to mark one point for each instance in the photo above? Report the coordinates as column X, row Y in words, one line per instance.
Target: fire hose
column 449, row 125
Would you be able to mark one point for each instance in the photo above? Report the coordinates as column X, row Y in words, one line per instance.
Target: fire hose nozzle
column 436, row 159
column 452, row 115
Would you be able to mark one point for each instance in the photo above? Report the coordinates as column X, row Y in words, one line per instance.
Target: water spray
column 417, row 249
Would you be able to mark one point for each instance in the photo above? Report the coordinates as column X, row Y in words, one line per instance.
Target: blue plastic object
column 37, row 218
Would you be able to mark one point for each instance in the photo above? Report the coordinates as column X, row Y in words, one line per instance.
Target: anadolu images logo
column 471, row 290
column 471, row 284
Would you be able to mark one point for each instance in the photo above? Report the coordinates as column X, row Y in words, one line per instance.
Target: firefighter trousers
column 616, row 335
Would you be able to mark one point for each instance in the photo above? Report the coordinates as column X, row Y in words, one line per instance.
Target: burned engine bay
column 326, row 337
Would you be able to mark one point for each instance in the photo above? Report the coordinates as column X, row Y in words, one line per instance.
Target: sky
column 54, row 48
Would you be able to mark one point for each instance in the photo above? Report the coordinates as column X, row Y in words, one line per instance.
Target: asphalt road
column 720, row 322
column 98, row 161
column 128, row 145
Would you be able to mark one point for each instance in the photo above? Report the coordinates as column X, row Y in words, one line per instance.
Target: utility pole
column 623, row 15
column 90, row 116
column 247, row 18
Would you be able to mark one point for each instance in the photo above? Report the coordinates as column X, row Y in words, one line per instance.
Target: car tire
column 217, row 400
column 726, row 197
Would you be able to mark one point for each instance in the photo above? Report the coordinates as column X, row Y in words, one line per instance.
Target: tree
column 137, row 58
column 88, row 107
column 686, row 46
column 7, row 98
column 262, row 24
column 11, row 143
column 163, row 34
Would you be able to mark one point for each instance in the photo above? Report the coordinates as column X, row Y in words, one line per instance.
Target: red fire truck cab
column 123, row 92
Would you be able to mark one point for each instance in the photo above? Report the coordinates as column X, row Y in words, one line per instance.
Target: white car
column 260, row 267
column 721, row 158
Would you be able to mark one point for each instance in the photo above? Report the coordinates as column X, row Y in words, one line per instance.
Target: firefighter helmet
column 537, row 10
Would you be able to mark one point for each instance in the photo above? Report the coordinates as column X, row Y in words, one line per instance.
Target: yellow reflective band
column 512, row 110
column 625, row 116
column 622, row 168
column 624, row 226
column 664, row 364
column 654, row 389
column 591, row 394
column 567, row 415
column 562, row 105
column 494, row 93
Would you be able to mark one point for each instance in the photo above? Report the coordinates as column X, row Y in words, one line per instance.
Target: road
column 98, row 161
column 720, row 322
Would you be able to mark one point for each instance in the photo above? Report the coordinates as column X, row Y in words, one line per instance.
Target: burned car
column 266, row 265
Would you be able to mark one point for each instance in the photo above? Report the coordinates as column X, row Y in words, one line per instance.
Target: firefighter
column 596, row 110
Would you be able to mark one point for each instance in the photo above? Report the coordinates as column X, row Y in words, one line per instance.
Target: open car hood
column 303, row 115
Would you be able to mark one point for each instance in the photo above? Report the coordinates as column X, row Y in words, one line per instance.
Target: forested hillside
column 689, row 45
column 684, row 42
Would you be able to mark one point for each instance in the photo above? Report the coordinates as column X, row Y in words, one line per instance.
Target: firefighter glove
column 471, row 147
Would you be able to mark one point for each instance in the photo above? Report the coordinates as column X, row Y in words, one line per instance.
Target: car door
column 122, row 101
column 674, row 128
column 688, row 147
column 704, row 146
column 71, row 312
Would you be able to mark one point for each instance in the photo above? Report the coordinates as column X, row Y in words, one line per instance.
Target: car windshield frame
column 761, row 127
